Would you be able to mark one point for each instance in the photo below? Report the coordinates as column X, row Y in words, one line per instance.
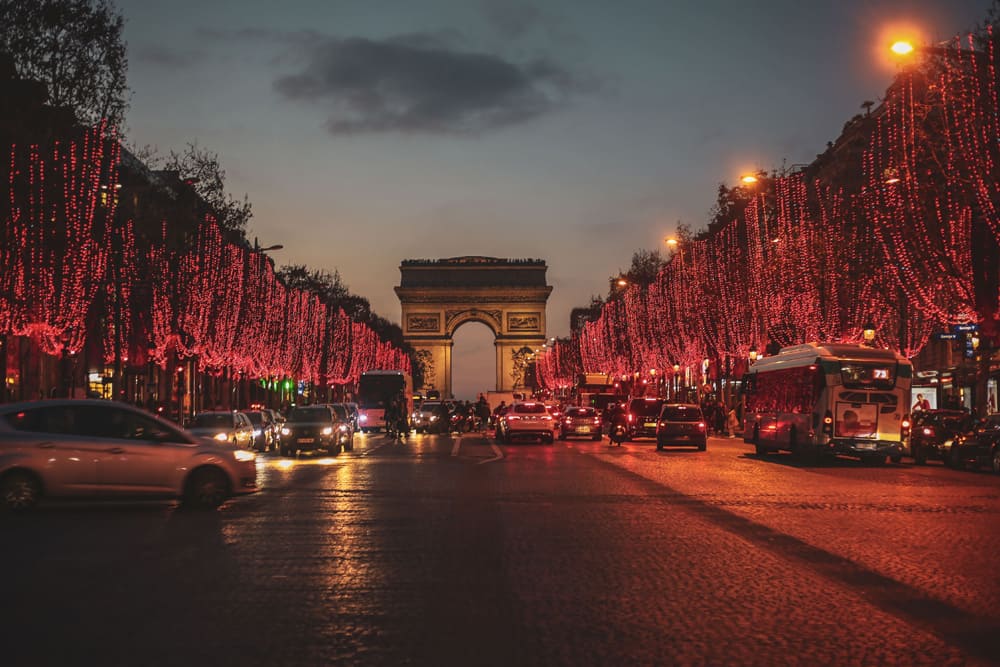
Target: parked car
column 933, row 432
column 583, row 421
column 527, row 419
column 223, row 426
column 309, row 428
column 681, row 424
column 643, row 414
column 979, row 446
column 264, row 429
column 128, row 452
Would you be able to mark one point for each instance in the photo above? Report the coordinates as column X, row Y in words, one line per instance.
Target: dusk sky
column 365, row 133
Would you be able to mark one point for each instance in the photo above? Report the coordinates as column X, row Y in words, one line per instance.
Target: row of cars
column 328, row 427
column 956, row 438
column 72, row 448
column 669, row 423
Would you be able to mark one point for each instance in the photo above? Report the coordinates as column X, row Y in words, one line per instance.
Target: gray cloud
column 422, row 83
column 511, row 19
column 165, row 56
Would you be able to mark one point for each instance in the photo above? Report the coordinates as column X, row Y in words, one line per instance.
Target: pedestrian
column 720, row 418
column 732, row 423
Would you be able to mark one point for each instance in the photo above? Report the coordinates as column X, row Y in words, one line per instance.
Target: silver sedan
column 91, row 448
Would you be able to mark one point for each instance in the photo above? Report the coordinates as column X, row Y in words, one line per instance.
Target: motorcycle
column 618, row 434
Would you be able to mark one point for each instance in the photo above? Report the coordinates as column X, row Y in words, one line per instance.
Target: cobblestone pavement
column 448, row 551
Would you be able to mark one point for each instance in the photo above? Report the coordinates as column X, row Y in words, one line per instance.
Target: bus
column 829, row 398
column 375, row 391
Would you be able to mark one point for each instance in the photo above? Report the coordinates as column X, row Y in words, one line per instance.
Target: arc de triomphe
column 439, row 296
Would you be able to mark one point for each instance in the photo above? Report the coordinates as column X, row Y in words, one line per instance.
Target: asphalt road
column 456, row 551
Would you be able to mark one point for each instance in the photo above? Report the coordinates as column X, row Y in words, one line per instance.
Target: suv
column 643, row 414
column 934, row 430
column 527, row 419
column 681, row 424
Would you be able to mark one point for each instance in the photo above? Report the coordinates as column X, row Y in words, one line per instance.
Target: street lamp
column 748, row 179
column 869, row 334
column 753, row 354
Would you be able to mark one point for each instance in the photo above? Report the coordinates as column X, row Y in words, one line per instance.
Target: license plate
column 865, row 445
column 583, row 429
column 650, row 424
column 306, row 441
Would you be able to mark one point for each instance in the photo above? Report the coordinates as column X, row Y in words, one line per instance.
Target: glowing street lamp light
column 748, row 179
column 753, row 354
column 869, row 333
column 902, row 47
column 672, row 242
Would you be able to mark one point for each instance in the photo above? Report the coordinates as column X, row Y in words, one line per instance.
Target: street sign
column 964, row 328
column 946, row 336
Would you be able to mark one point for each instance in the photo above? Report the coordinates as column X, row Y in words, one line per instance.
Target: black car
column 681, row 424
column 309, row 428
column 643, row 415
column 979, row 446
column 933, row 432
column 581, row 421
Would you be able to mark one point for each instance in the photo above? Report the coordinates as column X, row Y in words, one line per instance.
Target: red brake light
column 631, row 417
column 928, row 431
column 906, row 423
column 701, row 425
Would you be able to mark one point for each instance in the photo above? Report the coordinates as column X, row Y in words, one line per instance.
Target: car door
column 53, row 444
column 141, row 456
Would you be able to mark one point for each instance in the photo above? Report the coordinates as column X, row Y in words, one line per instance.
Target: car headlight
column 327, row 430
column 221, row 437
column 285, row 430
column 244, row 455
column 343, row 428
column 256, row 432
column 434, row 418
column 948, row 443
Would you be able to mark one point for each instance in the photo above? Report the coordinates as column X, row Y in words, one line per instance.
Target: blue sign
column 964, row 328
column 946, row 336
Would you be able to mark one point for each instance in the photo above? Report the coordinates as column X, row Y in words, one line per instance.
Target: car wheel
column 207, row 488
column 350, row 445
column 896, row 458
column 549, row 439
column 996, row 461
column 597, row 438
column 703, row 446
column 19, row 491
column 563, row 436
column 919, row 456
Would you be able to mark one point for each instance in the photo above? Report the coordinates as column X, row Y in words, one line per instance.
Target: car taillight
column 701, row 426
column 631, row 417
column 547, row 418
column 511, row 418
column 928, row 431
column 597, row 420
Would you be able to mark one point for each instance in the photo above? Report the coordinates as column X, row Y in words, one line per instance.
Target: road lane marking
column 375, row 449
column 458, row 443
column 497, row 451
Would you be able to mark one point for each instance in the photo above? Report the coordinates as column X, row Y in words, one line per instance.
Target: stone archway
column 507, row 295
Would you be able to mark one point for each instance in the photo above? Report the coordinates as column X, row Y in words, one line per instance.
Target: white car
column 92, row 448
column 527, row 419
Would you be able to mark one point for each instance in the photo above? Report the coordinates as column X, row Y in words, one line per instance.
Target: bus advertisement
column 829, row 398
column 376, row 390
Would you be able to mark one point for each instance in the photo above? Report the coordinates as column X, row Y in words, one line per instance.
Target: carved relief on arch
column 491, row 318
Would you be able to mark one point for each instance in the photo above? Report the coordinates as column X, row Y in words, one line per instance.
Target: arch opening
column 474, row 360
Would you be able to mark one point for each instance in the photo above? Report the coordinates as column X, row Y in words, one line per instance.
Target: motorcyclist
column 618, row 424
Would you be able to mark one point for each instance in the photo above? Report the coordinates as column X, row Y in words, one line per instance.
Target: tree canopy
column 75, row 48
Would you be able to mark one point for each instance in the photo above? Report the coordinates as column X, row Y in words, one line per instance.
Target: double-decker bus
column 375, row 391
column 831, row 398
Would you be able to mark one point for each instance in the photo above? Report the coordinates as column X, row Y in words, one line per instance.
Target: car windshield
column 313, row 414
column 951, row 422
column 529, row 408
column 256, row 418
column 430, row 406
column 339, row 411
column 580, row 412
column 681, row 413
column 212, row 420
column 645, row 407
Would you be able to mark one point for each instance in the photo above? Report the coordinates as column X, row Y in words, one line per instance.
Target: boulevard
column 451, row 550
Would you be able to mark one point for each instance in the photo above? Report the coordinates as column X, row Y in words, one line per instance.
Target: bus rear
column 829, row 398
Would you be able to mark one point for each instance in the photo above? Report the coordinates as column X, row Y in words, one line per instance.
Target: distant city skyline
column 576, row 132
